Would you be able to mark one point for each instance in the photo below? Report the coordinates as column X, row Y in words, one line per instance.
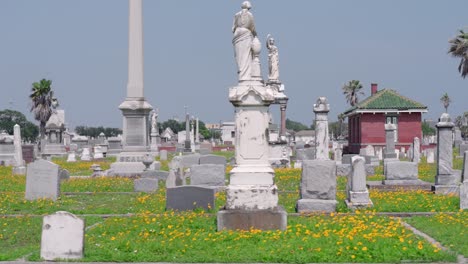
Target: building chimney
column 373, row 88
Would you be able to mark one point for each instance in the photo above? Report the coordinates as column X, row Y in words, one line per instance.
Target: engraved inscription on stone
column 135, row 131
column 42, row 180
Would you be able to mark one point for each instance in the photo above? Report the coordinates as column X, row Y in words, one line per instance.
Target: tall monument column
column 252, row 196
column 321, row 109
column 135, row 108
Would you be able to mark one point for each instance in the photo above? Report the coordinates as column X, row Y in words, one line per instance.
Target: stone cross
column 390, row 141
column 321, row 109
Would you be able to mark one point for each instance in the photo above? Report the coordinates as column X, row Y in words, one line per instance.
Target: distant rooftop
column 387, row 99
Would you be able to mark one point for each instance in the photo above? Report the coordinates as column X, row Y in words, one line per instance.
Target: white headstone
column 62, row 236
column 98, row 152
column 19, row 167
column 86, row 155
column 357, row 193
column 71, row 157
column 42, row 180
column 163, row 155
column 430, row 155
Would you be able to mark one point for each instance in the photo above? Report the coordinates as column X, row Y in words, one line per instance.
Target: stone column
column 187, row 147
column 197, row 132
column 357, row 193
column 321, row 109
column 135, row 108
column 447, row 179
column 19, row 167
column 416, row 150
column 283, row 121
column 390, row 141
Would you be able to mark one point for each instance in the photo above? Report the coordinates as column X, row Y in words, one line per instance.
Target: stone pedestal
column 390, row 142
column 321, row 109
column 251, row 193
column 446, row 180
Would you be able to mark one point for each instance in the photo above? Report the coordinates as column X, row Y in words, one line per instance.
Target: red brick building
column 366, row 120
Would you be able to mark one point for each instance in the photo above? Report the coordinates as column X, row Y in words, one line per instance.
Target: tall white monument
column 252, row 196
column 135, row 108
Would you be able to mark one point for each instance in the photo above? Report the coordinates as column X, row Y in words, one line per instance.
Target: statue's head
column 246, row 5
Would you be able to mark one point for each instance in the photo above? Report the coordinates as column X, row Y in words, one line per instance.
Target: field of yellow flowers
column 126, row 226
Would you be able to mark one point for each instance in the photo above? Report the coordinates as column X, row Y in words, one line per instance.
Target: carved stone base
column 272, row 219
column 359, row 200
column 251, row 197
column 315, row 205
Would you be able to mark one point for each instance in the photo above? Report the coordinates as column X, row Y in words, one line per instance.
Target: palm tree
column 445, row 100
column 42, row 97
column 352, row 89
column 459, row 48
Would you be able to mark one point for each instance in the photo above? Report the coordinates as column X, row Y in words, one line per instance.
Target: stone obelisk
column 135, row 108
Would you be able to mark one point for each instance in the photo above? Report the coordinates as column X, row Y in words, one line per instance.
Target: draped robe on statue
column 244, row 32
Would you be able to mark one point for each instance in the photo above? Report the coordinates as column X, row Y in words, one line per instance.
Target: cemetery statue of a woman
column 154, row 121
column 244, row 33
column 273, row 60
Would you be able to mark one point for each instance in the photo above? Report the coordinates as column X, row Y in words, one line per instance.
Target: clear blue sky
column 82, row 46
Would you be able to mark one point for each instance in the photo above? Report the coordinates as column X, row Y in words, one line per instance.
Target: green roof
column 387, row 99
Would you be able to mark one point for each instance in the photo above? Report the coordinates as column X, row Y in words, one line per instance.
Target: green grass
column 156, row 235
column 451, row 230
column 188, row 237
column 227, row 154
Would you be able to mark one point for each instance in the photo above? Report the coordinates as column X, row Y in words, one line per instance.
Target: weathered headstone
column 401, row 173
column 338, row 153
column 163, row 155
column 430, row 156
column 356, row 190
column 379, row 152
column 62, row 237
column 367, row 151
column 188, row 161
column 305, row 154
column 98, row 154
column 318, row 186
column 447, row 180
column 213, row 159
column 208, row 174
column 64, row 174
column 171, row 179
column 462, row 148
column 145, row 185
column 321, row 109
column 416, row 150
column 86, row 155
column 71, row 157
column 190, row 197
column 42, row 180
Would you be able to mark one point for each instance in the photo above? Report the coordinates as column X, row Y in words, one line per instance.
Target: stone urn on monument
column 252, row 196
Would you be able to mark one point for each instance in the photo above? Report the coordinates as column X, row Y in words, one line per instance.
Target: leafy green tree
column 296, row 126
column 8, row 119
column 459, row 49
column 42, row 97
column 427, row 129
column 445, row 100
column 173, row 125
column 352, row 90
